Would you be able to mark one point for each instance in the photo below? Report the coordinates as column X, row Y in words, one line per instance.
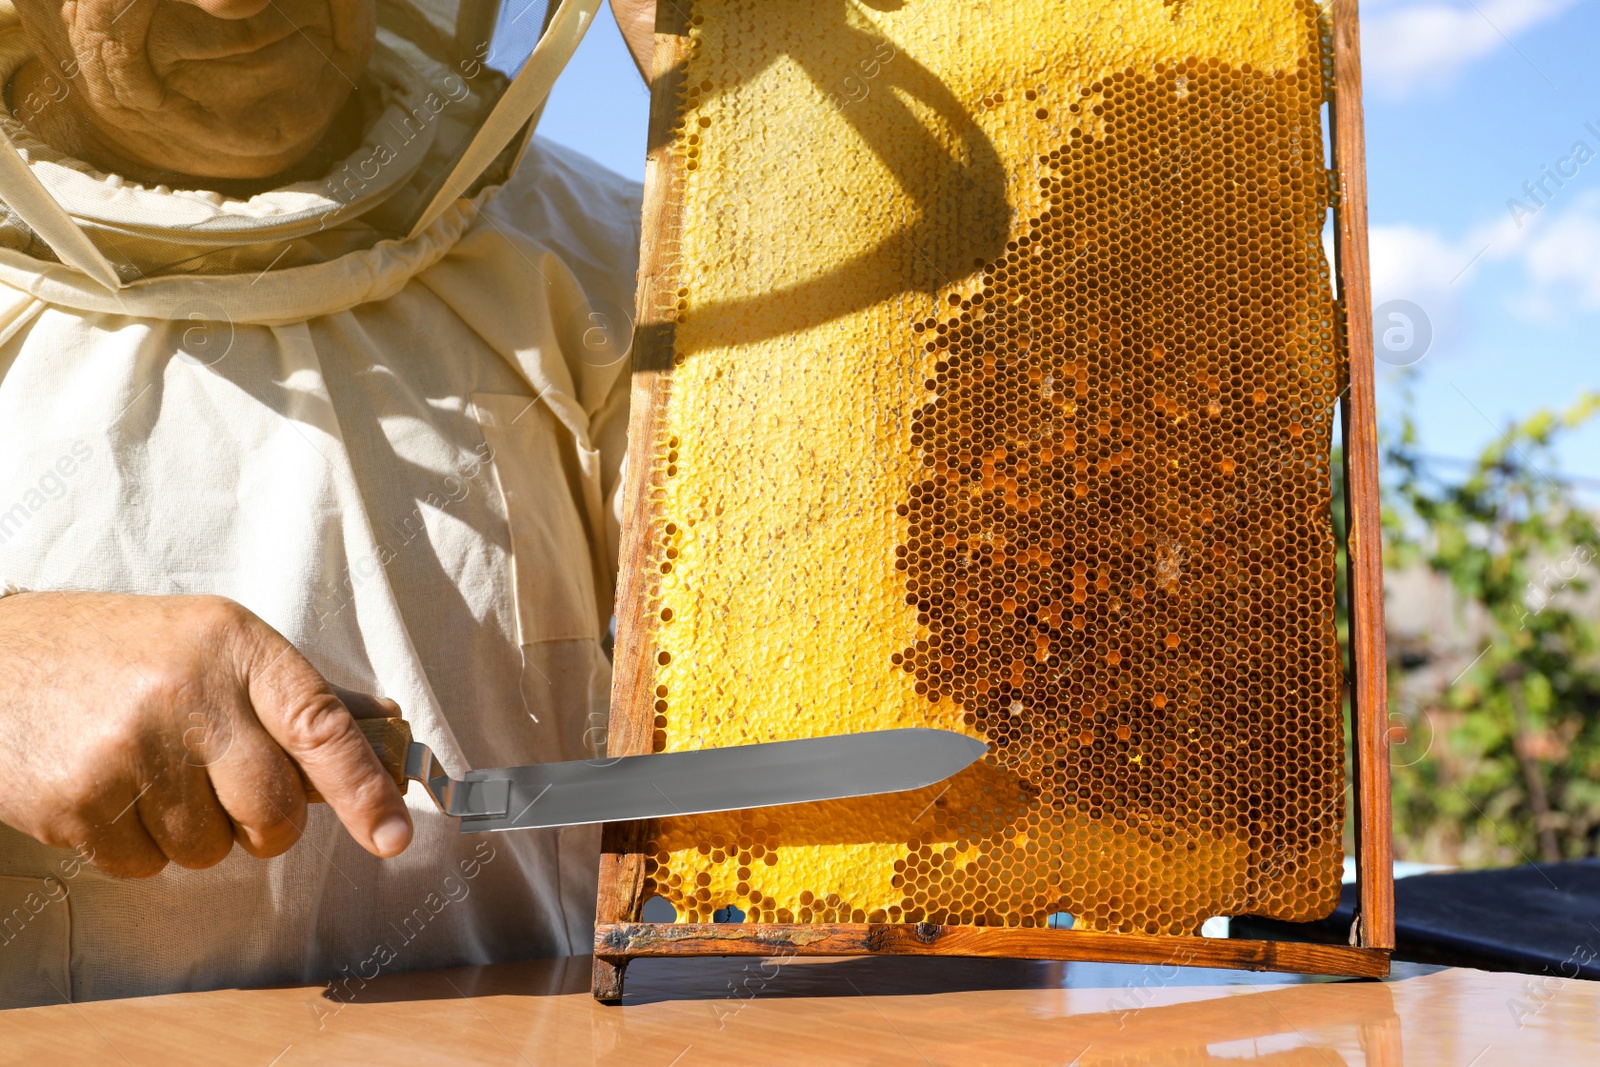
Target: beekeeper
column 313, row 383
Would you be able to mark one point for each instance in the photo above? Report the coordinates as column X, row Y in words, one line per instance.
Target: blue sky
column 1466, row 100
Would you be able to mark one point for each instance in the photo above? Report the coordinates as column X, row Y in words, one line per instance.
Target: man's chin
column 250, row 164
column 213, row 170
column 235, row 148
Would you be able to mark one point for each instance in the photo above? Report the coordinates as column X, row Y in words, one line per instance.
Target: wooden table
column 879, row 1011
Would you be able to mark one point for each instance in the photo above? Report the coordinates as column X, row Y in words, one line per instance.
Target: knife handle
column 389, row 738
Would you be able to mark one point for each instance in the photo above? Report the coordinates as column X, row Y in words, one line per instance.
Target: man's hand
column 143, row 729
column 637, row 21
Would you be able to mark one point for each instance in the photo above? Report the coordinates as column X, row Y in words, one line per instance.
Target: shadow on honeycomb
column 961, row 207
column 1120, row 550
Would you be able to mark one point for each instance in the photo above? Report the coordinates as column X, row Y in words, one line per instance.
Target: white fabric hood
column 449, row 97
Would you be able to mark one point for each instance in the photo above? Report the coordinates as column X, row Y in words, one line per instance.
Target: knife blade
column 666, row 784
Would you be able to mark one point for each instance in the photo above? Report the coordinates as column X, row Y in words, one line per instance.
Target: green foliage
column 1512, row 765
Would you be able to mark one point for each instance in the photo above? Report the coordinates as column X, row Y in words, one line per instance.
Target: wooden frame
column 620, row 936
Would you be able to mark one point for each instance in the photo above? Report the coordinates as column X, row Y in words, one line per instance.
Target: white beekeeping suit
column 385, row 410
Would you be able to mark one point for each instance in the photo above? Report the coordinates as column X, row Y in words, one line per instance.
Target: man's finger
column 182, row 816
column 118, row 844
column 125, row 853
column 363, row 706
column 301, row 712
column 260, row 788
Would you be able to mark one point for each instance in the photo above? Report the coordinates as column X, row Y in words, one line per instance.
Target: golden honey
column 1000, row 400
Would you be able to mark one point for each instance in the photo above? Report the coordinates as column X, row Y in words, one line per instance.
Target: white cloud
column 1421, row 267
column 1435, row 271
column 1554, row 260
column 1407, row 45
column 1409, row 263
column 1561, row 259
column 1414, row 263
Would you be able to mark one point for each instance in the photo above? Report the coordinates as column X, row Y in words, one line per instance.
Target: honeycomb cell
column 1001, row 396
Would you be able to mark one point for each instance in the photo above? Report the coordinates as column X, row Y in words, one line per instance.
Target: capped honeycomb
column 1002, row 377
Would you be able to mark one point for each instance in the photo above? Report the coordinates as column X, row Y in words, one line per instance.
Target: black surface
column 1540, row 919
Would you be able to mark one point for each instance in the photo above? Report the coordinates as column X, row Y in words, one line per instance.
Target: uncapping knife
column 675, row 783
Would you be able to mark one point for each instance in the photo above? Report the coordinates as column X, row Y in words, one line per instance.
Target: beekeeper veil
column 446, row 105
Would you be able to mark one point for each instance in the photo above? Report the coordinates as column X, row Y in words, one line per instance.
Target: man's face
column 210, row 88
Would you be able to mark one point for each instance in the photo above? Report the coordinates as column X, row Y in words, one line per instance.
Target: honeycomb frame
column 630, row 865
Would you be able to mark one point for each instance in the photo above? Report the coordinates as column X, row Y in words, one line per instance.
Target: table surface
column 879, row 1011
